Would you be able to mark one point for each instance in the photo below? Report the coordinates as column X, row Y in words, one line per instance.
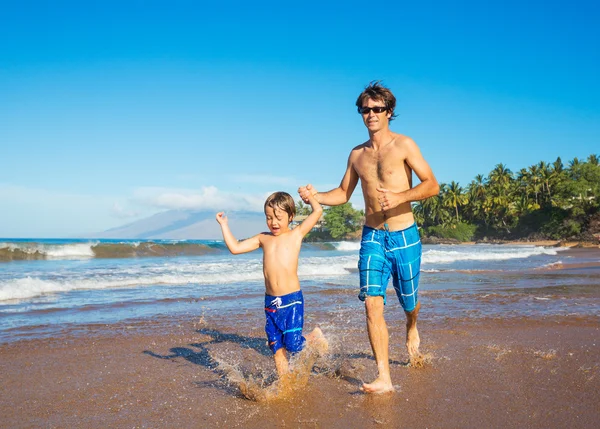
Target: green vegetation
column 543, row 201
column 340, row 222
column 343, row 220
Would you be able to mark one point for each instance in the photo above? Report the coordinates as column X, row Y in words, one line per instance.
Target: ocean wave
column 347, row 246
column 30, row 287
column 226, row 271
column 488, row 254
column 95, row 249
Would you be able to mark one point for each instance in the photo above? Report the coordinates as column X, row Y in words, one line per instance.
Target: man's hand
column 388, row 199
column 221, row 218
column 306, row 191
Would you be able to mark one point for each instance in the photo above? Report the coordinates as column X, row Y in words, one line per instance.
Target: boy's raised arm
column 236, row 247
column 312, row 218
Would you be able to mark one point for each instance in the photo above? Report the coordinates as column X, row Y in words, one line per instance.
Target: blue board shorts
column 386, row 253
column 285, row 319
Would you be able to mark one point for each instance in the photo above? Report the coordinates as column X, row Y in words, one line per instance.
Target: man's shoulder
column 404, row 142
column 356, row 150
column 401, row 138
column 361, row 146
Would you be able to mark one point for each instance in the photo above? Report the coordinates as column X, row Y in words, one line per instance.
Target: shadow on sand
column 200, row 354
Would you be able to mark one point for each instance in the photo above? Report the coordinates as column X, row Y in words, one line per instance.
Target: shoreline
column 533, row 372
column 542, row 243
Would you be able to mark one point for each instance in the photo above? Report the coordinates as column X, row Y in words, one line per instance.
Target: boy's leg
column 281, row 362
column 379, row 338
column 317, row 339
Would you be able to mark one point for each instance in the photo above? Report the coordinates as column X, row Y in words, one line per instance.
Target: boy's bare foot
column 413, row 341
column 378, row 386
column 318, row 340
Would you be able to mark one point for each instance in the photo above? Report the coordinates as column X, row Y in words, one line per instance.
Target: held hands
column 221, row 218
column 388, row 199
column 306, row 191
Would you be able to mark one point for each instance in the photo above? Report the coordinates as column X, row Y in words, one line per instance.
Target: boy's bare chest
column 286, row 247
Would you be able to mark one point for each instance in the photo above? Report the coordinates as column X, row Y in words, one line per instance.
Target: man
column 390, row 243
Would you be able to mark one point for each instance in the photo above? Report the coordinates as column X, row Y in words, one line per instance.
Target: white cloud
column 122, row 213
column 205, row 198
column 258, row 179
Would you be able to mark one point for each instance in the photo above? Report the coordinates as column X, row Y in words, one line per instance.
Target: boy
column 284, row 305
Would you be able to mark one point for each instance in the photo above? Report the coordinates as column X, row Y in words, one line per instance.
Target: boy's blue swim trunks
column 285, row 318
column 384, row 253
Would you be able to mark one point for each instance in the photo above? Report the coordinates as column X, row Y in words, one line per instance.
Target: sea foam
column 488, row 253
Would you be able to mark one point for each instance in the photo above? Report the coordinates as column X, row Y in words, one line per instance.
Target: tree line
column 542, row 201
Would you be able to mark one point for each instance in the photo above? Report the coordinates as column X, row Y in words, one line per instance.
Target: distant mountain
column 185, row 224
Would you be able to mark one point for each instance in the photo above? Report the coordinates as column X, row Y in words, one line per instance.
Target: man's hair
column 376, row 91
column 282, row 201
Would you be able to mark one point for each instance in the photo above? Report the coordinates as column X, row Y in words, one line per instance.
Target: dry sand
column 485, row 373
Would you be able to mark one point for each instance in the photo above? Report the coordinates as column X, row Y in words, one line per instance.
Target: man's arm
column 337, row 196
column 313, row 218
column 427, row 188
column 236, row 247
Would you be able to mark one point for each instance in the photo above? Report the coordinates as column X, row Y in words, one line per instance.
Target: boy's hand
column 306, row 191
column 221, row 218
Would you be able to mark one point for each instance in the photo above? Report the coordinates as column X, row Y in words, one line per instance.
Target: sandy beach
column 527, row 373
column 534, row 373
column 494, row 360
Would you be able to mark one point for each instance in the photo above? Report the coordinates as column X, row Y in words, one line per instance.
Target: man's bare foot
column 413, row 341
column 378, row 386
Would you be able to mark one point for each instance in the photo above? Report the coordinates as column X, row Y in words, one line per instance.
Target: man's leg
column 379, row 338
column 412, row 334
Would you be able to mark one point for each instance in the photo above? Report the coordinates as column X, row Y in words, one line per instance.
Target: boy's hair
column 282, row 201
column 376, row 91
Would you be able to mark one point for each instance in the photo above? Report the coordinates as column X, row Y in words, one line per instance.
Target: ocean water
column 46, row 285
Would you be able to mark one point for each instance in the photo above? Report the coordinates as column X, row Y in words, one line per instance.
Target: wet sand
column 485, row 369
column 508, row 373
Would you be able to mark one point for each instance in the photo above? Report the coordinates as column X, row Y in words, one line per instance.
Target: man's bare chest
column 380, row 166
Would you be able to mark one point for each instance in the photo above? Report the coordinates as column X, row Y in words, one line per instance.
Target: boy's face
column 278, row 220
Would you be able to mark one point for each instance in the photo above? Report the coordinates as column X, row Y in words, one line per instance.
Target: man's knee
column 415, row 311
column 374, row 306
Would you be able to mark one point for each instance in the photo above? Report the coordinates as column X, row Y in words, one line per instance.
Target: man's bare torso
column 384, row 168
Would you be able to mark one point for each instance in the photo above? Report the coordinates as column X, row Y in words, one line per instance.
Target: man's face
column 375, row 121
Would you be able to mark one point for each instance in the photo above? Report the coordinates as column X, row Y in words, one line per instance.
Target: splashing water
column 301, row 365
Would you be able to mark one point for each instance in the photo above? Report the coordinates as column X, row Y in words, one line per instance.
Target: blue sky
column 113, row 111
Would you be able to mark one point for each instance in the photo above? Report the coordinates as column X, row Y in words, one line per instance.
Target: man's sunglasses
column 367, row 110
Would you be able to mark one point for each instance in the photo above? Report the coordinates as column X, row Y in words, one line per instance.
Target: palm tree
column 500, row 176
column 593, row 159
column 430, row 209
column 558, row 166
column 574, row 163
column 455, row 197
column 535, row 180
column 547, row 175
